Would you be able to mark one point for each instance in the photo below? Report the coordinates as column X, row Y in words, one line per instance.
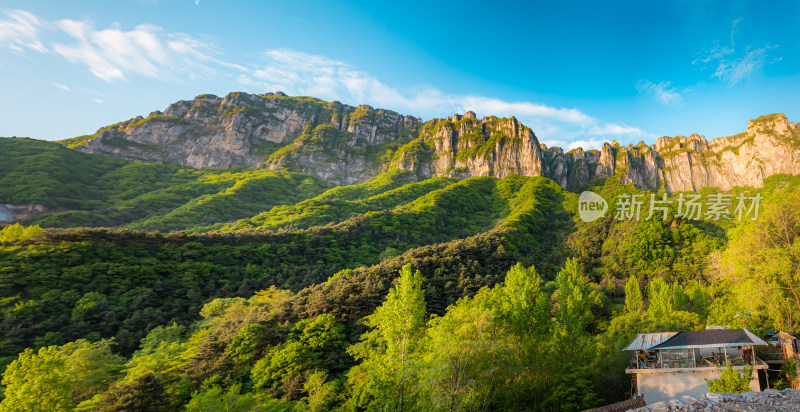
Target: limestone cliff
column 337, row 142
column 344, row 144
column 463, row 146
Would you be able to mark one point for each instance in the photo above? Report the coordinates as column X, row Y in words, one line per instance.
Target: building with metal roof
column 644, row 341
column 668, row 365
column 711, row 338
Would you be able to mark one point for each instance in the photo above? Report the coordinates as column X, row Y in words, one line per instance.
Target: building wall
column 663, row 386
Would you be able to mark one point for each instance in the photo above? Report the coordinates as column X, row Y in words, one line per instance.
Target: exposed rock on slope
column 340, row 143
column 344, row 145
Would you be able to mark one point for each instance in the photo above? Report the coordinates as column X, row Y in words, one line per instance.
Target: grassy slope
column 100, row 191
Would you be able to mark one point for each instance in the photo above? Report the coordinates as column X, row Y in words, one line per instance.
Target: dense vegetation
column 258, row 290
column 90, row 190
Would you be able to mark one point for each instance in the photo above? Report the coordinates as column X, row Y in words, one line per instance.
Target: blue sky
column 577, row 73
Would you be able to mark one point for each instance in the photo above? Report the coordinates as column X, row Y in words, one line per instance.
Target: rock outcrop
column 11, row 213
column 344, row 144
column 326, row 139
column 770, row 400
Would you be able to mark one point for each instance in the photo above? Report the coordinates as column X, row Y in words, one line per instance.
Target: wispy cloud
column 300, row 73
column 732, row 65
column 736, row 71
column 716, row 52
column 98, row 101
column 147, row 50
column 663, row 92
column 20, row 31
column 61, row 86
column 734, row 29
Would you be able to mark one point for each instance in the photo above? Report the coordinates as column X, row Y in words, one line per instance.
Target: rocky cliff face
column 327, row 139
column 345, row 144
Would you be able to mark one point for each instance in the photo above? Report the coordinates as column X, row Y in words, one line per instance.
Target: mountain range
column 343, row 145
column 230, row 160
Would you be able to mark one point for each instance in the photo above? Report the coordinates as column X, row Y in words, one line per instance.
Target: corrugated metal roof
column 645, row 341
column 711, row 338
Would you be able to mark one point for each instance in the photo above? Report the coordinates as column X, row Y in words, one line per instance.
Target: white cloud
column 714, row 53
column 585, row 144
column 298, row 73
column 617, row 130
column 98, row 101
column 20, row 30
column 147, row 50
column 731, row 65
column 663, row 92
column 734, row 29
column 733, row 72
column 61, row 86
column 523, row 109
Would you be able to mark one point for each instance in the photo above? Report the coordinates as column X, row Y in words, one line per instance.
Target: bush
column 731, row 380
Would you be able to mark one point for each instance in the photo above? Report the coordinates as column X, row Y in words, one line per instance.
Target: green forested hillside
column 90, row 190
column 198, row 288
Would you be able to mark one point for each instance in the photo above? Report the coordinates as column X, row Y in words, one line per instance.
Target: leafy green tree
column 217, row 400
column 283, row 368
column 243, row 346
column 680, row 300
column 461, row 358
column 18, row 232
column 760, row 268
column 312, row 346
column 633, row 296
column 523, row 312
column 572, row 312
column 731, row 380
column 37, row 382
column 144, row 393
column 321, row 394
column 56, row 376
column 388, row 352
column 700, row 299
column 571, row 341
column 660, row 298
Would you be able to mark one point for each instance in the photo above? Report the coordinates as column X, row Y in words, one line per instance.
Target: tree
column 59, row 377
column 660, row 298
column 571, row 342
column 701, row 300
column 320, row 393
column 143, row 394
column 572, row 311
column 461, row 355
column 761, row 266
column 523, row 312
column 633, row 296
column 37, row 382
column 312, row 346
column 215, row 400
column 731, row 380
column 389, row 351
